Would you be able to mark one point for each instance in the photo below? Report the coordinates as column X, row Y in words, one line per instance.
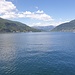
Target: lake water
column 43, row 53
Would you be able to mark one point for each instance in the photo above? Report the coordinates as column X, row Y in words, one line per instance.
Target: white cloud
column 60, row 22
column 9, row 10
column 40, row 24
column 39, row 12
column 27, row 13
column 6, row 6
column 39, row 15
column 48, row 23
column 9, row 15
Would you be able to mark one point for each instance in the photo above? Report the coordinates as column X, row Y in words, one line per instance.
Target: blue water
column 43, row 53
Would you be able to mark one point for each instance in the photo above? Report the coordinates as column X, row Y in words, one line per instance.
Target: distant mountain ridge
column 14, row 26
column 44, row 28
column 65, row 27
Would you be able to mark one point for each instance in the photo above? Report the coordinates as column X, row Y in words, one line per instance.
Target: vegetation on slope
column 65, row 27
column 13, row 26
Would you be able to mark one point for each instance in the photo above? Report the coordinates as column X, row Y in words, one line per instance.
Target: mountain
column 65, row 27
column 14, row 26
column 44, row 28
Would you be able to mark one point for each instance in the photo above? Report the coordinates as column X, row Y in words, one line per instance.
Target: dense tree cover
column 13, row 26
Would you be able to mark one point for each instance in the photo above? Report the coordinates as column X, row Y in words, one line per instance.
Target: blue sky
column 38, row 12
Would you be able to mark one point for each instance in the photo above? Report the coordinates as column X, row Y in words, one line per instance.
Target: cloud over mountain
column 9, row 10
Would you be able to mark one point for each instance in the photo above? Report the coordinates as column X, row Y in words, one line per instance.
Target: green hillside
column 65, row 27
column 13, row 26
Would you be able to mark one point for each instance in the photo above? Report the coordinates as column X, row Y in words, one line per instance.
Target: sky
column 38, row 12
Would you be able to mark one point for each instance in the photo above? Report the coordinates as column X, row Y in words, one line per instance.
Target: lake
column 39, row 53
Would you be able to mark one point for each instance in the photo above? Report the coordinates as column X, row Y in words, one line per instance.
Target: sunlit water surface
column 43, row 53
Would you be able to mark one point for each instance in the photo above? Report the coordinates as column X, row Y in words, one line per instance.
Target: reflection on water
column 7, row 53
column 37, row 54
column 7, row 48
